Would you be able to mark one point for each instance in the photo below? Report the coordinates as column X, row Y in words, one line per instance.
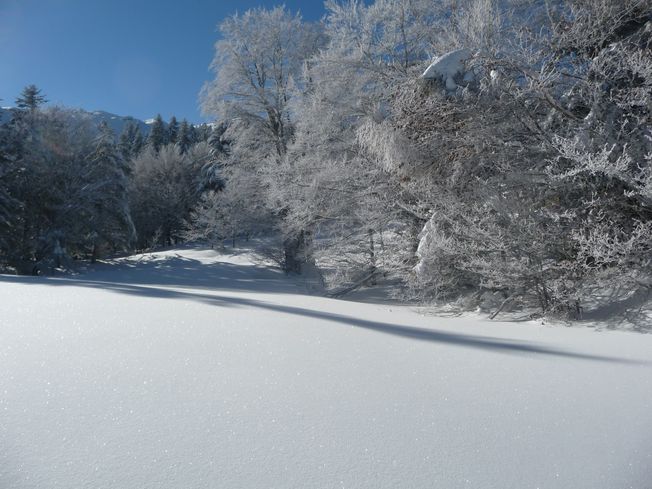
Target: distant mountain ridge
column 116, row 122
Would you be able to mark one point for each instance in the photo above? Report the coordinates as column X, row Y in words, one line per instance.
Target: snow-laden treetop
column 448, row 66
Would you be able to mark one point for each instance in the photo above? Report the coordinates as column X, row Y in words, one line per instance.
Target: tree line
column 70, row 189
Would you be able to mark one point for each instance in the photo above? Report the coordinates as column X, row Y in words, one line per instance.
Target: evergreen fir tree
column 204, row 132
column 128, row 143
column 15, row 172
column 183, row 138
column 7, row 203
column 173, row 130
column 193, row 134
column 157, row 136
column 30, row 98
column 138, row 144
column 108, row 209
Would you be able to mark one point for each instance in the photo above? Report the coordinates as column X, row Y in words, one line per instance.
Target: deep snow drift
column 187, row 369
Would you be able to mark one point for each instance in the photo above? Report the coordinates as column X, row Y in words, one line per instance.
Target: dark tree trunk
column 94, row 253
column 372, row 256
column 296, row 255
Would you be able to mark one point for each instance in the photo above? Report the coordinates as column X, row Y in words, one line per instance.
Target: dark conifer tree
column 157, row 136
column 193, row 134
column 138, row 144
column 173, row 130
column 130, row 141
column 108, row 208
column 8, row 204
column 183, row 138
column 204, row 132
column 30, row 98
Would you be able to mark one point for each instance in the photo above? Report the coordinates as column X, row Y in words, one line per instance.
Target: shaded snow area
column 190, row 369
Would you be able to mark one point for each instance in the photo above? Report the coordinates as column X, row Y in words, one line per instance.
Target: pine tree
column 157, row 136
column 107, row 208
column 173, row 130
column 30, row 98
column 204, row 132
column 193, row 135
column 138, row 144
column 7, row 203
column 183, row 139
column 17, row 176
column 130, row 141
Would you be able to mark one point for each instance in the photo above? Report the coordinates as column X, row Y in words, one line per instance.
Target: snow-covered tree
column 162, row 193
column 105, row 195
column 258, row 63
column 217, row 140
column 541, row 168
column 50, row 186
column 372, row 50
column 68, row 181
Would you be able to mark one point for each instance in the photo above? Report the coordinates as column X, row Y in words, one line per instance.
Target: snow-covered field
column 187, row 369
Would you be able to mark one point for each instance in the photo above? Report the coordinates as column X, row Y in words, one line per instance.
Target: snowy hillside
column 115, row 122
column 118, row 122
column 188, row 368
column 5, row 114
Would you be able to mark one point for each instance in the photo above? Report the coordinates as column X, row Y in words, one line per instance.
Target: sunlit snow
column 189, row 368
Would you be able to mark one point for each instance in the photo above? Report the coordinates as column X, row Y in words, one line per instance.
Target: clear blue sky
column 137, row 57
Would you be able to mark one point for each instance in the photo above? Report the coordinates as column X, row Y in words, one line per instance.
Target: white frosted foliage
column 449, row 66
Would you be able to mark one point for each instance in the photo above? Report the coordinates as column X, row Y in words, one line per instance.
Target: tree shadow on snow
column 184, row 273
column 180, row 271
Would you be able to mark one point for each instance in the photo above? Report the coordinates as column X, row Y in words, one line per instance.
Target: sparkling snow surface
column 192, row 370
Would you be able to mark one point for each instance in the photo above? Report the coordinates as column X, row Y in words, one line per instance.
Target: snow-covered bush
column 547, row 167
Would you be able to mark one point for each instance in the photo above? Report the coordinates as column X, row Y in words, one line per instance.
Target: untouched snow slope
column 187, row 369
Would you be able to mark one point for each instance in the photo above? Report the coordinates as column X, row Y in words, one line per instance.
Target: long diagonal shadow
column 422, row 334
